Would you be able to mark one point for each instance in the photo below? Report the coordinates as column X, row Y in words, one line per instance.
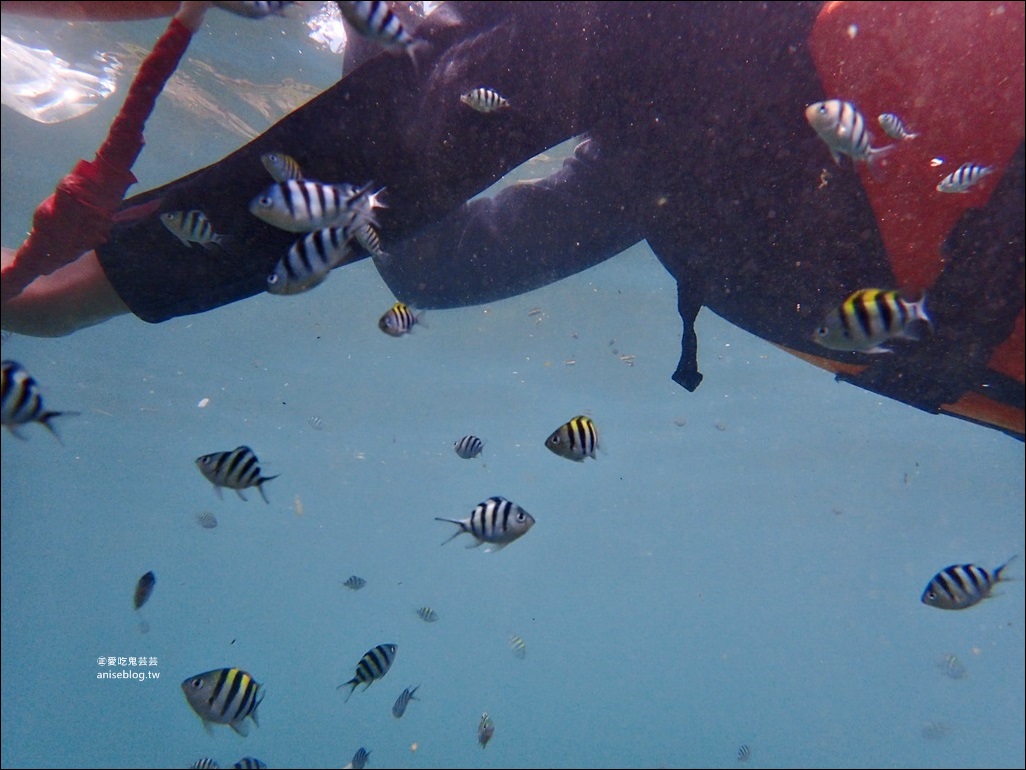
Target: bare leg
column 71, row 298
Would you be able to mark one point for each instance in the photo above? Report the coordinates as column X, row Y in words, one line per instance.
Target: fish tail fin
column 999, row 570
column 874, row 162
column 260, row 486
column 417, row 51
column 45, row 418
column 457, row 533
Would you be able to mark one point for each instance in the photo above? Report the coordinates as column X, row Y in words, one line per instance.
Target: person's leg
column 71, row 298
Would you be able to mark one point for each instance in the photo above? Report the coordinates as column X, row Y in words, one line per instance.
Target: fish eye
column 821, row 331
column 520, row 516
column 197, row 683
column 272, row 279
column 931, row 595
column 822, row 109
column 265, row 201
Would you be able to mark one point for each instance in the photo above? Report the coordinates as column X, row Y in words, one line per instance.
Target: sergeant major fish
column 281, row 167
column 427, row 614
column 961, row 179
column 192, row 227
column 372, row 666
column 399, row 320
column 484, row 100
column 225, row 696
column 250, row 763
column 895, row 127
column 375, row 20
column 359, row 760
column 575, row 439
column 355, row 583
column 302, row 206
column 237, row 469
column 960, row 586
column 841, row 126
column 517, row 646
column 868, row 318
column 468, row 447
column 496, row 521
column 310, row 261
column 399, row 708
column 21, row 401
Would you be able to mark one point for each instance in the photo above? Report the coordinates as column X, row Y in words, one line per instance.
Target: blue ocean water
column 740, row 565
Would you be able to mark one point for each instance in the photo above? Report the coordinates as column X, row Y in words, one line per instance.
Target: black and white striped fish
column 427, row 614
column 369, row 239
column 517, row 646
column 21, row 402
column 255, row 9
column 372, row 666
column 281, row 167
column 302, row 205
column 468, row 447
column 575, row 439
column 841, row 126
column 960, row 586
column 399, row 708
column 359, row 760
column 355, row 583
column 144, row 589
column 225, row 696
column 237, row 469
column 868, row 318
column 484, row 100
column 206, row 763
column 496, row 521
column 192, row 227
column 310, row 261
column 895, row 127
column 207, row 520
column 399, row 320
column 249, row 763
column 376, row 21
column 744, row 753
column 961, row 179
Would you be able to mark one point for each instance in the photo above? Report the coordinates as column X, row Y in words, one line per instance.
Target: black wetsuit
column 694, row 138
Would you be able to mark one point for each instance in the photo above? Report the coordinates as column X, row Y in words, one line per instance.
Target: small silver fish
column 192, row 227
column 310, row 261
column 399, row 320
column 372, row 666
column 517, row 646
column 399, row 708
column 965, row 176
column 144, row 589
column 281, row 167
column 484, row 100
column 895, row 127
column 355, row 583
column 236, row 469
column 868, row 318
column 485, row 730
column 468, row 447
column 575, row 439
column 960, row 586
column 427, row 614
column 841, row 126
column 359, row 760
column 21, row 401
column 496, row 521
column 225, row 696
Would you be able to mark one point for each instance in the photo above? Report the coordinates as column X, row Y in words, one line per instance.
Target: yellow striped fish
column 575, row 439
column 225, row 696
column 868, row 318
column 281, row 167
column 398, row 320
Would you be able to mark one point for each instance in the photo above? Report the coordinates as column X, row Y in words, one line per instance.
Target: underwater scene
column 497, row 534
